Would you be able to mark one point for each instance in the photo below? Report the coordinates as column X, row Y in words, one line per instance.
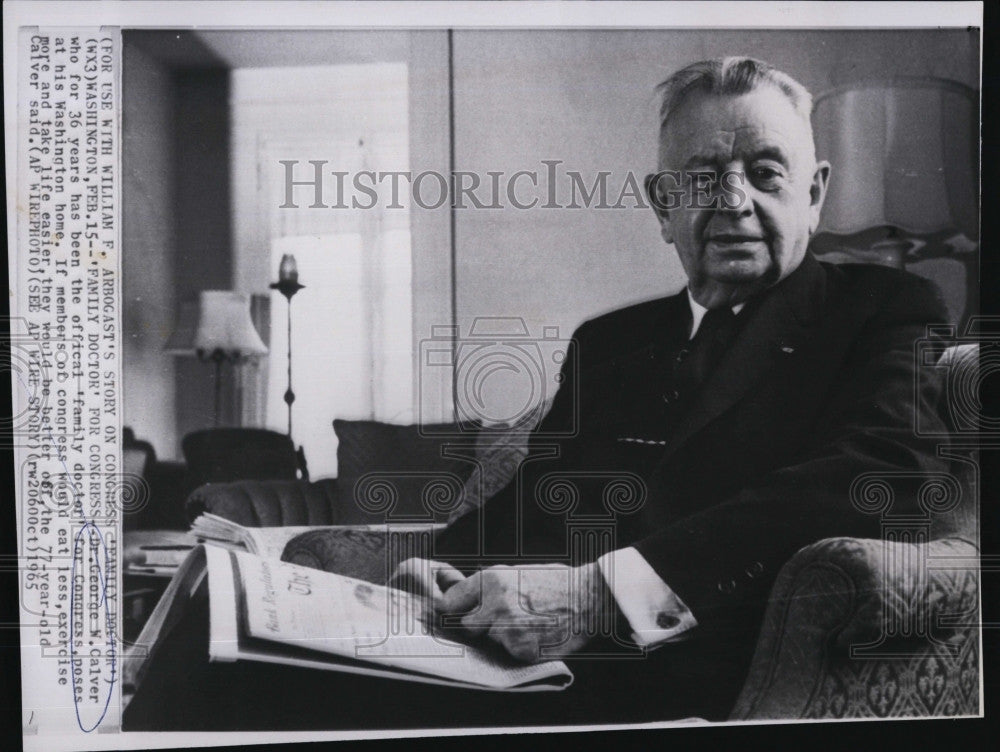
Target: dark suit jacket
column 818, row 388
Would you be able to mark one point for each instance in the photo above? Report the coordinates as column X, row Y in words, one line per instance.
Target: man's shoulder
column 632, row 326
column 885, row 289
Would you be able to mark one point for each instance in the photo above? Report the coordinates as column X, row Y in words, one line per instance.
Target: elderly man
column 737, row 412
column 707, row 437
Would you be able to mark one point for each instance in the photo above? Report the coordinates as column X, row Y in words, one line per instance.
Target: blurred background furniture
column 903, row 187
column 230, row 454
column 385, row 472
column 158, row 488
column 137, row 458
column 216, row 328
column 149, row 560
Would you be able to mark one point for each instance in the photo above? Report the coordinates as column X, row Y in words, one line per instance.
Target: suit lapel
column 775, row 330
column 671, row 320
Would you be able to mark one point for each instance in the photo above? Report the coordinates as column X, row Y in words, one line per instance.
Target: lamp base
column 218, row 357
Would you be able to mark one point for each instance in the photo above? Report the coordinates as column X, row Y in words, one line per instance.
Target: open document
column 271, row 611
column 270, row 542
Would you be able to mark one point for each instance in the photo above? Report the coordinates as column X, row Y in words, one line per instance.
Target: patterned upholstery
column 353, row 553
column 499, row 452
column 869, row 629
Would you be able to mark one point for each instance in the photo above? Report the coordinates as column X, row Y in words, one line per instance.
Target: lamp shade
column 903, row 154
column 218, row 321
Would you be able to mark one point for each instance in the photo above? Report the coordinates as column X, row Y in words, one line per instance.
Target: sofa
column 854, row 628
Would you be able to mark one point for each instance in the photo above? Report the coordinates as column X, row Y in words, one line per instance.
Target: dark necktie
column 696, row 361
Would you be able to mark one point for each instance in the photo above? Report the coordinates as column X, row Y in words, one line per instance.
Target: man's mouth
column 734, row 239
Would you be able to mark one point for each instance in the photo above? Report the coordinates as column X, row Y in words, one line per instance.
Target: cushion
column 268, row 503
column 391, row 472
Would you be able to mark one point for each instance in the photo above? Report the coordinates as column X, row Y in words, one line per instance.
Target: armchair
column 848, row 635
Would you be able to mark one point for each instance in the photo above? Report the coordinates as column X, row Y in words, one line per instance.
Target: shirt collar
column 698, row 312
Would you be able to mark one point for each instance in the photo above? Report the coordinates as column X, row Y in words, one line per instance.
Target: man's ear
column 659, row 208
column 817, row 193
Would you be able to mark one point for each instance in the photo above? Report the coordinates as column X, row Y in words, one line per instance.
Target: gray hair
column 731, row 76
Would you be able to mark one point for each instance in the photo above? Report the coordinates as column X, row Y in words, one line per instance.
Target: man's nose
column 732, row 195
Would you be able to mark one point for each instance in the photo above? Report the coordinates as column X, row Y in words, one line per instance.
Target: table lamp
column 903, row 184
column 217, row 329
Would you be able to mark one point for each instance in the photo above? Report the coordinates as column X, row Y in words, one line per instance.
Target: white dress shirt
column 655, row 613
column 698, row 312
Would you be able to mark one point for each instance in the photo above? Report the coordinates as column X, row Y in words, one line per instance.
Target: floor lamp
column 288, row 285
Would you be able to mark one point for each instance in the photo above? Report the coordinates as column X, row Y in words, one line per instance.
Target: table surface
column 155, row 553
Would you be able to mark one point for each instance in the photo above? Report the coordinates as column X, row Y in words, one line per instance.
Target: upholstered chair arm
column 268, row 503
column 865, row 628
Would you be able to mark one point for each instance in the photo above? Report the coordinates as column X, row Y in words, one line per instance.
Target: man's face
column 750, row 191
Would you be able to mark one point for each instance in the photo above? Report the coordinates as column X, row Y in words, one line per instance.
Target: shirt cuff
column 655, row 613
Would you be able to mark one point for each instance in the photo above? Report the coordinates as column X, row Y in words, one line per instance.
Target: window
column 352, row 352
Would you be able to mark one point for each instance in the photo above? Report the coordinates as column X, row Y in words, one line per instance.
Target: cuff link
column 666, row 621
column 754, row 569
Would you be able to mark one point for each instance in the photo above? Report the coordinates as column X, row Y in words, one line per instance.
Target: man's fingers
column 414, row 576
column 463, row 595
column 520, row 643
column 446, row 575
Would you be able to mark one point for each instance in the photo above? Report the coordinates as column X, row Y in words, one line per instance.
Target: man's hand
column 426, row 578
column 530, row 608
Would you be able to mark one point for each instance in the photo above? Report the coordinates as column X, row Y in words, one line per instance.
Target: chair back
column 219, row 455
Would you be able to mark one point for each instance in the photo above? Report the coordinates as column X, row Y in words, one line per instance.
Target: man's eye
column 765, row 175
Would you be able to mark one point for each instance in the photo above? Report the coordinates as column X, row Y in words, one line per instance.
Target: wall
column 176, row 230
column 430, row 228
column 587, row 98
column 203, row 230
column 148, row 257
